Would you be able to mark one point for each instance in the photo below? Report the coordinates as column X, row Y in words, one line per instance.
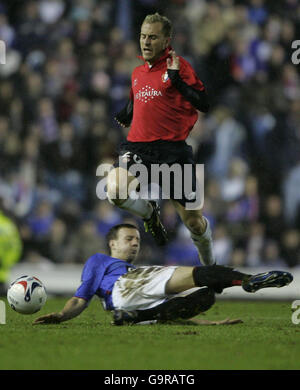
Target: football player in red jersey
column 162, row 110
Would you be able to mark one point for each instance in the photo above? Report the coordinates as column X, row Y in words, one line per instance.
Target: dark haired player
column 138, row 294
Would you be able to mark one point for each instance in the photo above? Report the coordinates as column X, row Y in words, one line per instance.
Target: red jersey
column 159, row 110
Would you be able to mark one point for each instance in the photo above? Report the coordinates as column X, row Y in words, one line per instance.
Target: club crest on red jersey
column 165, row 77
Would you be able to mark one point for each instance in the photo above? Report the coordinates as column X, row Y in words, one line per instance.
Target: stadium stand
column 67, row 72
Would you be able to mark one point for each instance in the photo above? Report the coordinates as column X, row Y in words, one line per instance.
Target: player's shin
column 204, row 244
column 218, row 277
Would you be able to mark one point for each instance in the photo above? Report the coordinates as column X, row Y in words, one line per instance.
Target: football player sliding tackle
column 136, row 294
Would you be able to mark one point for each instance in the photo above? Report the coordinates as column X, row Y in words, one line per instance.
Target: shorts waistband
column 156, row 142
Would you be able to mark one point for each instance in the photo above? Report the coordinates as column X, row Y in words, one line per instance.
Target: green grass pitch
column 267, row 340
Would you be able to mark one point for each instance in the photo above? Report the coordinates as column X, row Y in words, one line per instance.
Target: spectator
column 291, row 187
column 83, row 243
column 67, row 74
column 257, row 11
column 255, row 245
column 291, row 247
column 182, row 251
column 41, row 221
column 57, row 241
column 39, row 226
column 229, row 136
column 271, row 256
column 273, row 217
column 238, row 259
column 233, row 186
column 222, row 245
column 106, row 216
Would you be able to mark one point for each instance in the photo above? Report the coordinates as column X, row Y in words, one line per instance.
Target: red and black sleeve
column 198, row 98
column 124, row 117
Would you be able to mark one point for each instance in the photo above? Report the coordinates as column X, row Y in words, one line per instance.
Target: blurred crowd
column 67, row 73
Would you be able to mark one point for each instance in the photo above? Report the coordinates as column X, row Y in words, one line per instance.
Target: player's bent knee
column 118, row 181
column 116, row 194
column 199, row 302
column 113, row 195
column 113, row 198
column 193, row 304
column 196, row 225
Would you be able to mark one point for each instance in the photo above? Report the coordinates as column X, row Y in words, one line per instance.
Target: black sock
column 218, row 277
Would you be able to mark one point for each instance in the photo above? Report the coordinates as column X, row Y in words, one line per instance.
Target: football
column 26, row 295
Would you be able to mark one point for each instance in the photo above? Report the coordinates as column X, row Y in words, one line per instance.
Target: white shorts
column 142, row 288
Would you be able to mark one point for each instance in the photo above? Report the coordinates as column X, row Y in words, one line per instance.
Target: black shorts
column 169, row 164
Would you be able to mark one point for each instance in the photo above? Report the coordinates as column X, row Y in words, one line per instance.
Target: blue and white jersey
column 98, row 277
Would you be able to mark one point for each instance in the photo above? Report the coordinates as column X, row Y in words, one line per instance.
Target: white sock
column 139, row 207
column 204, row 245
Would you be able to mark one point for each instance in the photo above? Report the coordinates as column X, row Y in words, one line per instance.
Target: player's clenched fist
column 173, row 62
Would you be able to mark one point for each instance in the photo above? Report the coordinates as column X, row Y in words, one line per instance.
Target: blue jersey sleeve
column 91, row 278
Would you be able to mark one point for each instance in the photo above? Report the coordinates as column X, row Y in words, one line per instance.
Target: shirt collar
column 162, row 58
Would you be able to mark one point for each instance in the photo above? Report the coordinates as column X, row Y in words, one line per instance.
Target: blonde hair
column 157, row 18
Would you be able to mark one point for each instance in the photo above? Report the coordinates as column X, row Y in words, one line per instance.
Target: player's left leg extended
column 185, row 305
column 200, row 230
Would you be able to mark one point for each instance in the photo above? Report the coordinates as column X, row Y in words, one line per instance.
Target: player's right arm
column 91, row 277
column 73, row 308
column 194, row 93
column 124, row 117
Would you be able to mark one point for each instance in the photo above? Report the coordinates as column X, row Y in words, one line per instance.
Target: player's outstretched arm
column 73, row 308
